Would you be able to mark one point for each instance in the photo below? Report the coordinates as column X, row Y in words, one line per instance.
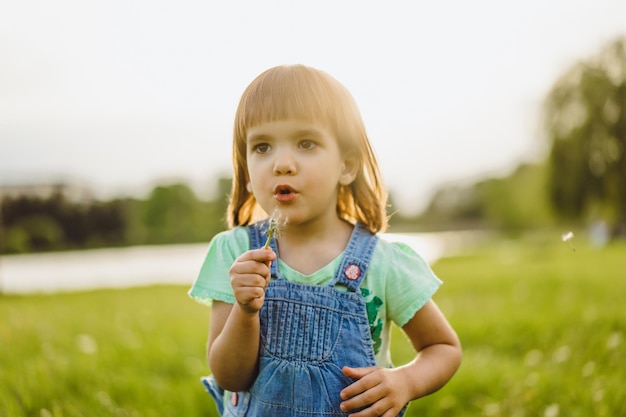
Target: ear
column 350, row 169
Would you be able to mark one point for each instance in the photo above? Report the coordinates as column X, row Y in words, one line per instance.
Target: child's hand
column 378, row 391
column 250, row 276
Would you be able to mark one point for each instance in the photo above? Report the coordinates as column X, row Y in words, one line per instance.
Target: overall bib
column 308, row 333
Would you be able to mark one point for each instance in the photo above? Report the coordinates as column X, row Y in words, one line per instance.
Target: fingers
column 253, row 262
column 358, row 373
column 360, row 385
column 261, row 255
column 371, row 402
column 250, row 276
column 373, row 394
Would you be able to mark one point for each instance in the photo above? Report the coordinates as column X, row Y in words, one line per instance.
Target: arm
column 234, row 330
column 386, row 391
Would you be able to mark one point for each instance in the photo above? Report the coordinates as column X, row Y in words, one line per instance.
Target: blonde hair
column 304, row 93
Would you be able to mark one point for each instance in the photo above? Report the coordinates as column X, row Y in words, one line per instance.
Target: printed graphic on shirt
column 373, row 305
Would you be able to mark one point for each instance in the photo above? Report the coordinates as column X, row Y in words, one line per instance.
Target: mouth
column 285, row 194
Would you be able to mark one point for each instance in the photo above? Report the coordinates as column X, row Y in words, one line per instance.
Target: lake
column 147, row 265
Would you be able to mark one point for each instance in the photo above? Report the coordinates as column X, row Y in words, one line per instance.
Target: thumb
column 357, row 373
column 270, row 256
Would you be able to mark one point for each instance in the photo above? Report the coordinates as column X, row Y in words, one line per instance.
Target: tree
column 169, row 213
column 585, row 121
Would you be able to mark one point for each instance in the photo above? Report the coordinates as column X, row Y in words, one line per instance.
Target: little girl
column 302, row 303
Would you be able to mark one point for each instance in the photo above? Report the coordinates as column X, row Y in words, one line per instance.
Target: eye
column 306, row 144
column 261, row 148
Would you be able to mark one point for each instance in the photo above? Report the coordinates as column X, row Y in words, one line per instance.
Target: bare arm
column 234, row 329
column 439, row 351
column 386, row 391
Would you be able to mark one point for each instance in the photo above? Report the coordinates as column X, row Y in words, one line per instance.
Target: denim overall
column 308, row 333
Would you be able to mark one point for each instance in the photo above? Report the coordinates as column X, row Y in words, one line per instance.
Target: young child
column 300, row 325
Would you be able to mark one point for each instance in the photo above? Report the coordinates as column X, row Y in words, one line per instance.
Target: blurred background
column 115, row 117
column 488, row 118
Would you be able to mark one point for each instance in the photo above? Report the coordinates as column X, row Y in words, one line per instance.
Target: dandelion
column 615, row 339
column 589, row 368
column 532, row 379
column 551, row 411
column 271, row 231
column 492, row 409
column 533, row 357
column 275, row 224
column 567, row 237
column 598, row 396
column 562, row 354
column 86, row 344
column 448, row 402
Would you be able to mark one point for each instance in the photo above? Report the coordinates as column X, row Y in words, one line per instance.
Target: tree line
column 174, row 214
column 170, row 214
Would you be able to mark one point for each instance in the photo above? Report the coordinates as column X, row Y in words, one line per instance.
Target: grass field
column 542, row 324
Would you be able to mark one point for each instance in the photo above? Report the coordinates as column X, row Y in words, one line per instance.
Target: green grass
column 135, row 352
column 542, row 325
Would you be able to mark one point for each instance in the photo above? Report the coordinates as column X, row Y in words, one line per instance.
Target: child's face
column 296, row 168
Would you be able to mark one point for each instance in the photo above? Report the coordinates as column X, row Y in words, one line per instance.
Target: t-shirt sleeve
column 409, row 282
column 213, row 281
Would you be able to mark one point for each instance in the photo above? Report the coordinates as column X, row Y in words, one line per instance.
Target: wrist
column 414, row 385
column 244, row 312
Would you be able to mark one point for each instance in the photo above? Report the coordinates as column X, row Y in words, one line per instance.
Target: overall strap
column 356, row 258
column 258, row 235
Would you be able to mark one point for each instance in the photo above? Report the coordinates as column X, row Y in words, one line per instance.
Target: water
column 101, row 268
column 146, row 265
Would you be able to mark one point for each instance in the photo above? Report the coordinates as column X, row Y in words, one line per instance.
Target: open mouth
column 284, row 193
column 283, row 189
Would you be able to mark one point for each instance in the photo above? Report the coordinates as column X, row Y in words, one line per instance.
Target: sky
column 121, row 95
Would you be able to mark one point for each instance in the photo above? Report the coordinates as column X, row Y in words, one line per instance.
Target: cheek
column 256, row 177
column 252, row 167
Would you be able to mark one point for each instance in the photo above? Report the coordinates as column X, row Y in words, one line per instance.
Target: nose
column 284, row 163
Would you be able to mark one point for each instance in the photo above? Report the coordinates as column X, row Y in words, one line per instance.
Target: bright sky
column 120, row 95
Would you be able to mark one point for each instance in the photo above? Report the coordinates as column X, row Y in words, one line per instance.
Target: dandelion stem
column 271, row 230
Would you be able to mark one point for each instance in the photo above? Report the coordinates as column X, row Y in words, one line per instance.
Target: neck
column 307, row 247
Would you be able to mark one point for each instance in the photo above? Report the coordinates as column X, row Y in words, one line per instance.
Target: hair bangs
column 293, row 92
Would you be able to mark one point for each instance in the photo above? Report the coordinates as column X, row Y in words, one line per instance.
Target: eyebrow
column 257, row 137
column 306, row 132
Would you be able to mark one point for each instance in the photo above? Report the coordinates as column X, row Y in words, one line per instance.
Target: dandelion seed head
column 533, row 357
column 562, row 354
column 531, row 379
column 86, row 344
column 448, row 402
column 589, row 368
column 274, row 226
column 492, row 409
column 615, row 339
column 273, row 222
column 551, row 411
column 598, row 396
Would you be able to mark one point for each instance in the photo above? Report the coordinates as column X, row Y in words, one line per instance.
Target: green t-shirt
column 397, row 284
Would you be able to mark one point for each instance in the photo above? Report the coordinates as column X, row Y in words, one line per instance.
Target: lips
column 285, row 194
